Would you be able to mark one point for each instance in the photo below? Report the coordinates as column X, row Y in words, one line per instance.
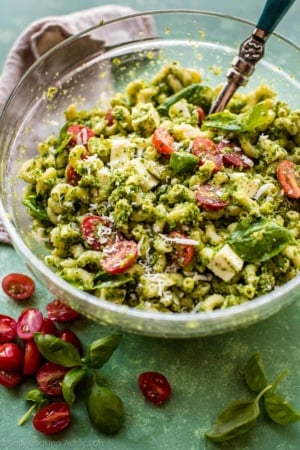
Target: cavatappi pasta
column 157, row 205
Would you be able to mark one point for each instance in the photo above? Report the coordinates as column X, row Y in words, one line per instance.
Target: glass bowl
column 94, row 64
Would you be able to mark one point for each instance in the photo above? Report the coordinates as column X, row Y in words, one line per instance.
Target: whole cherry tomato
column 119, row 256
column 11, row 357
column 49, row 327
column 155, row 387
column 288, row 179
column 80, row 134
column 206, row 150
column 32, row 357
column 18, row 286
column 183, row 253
column 52, row 418
column 8, row 328
column 60, row 312
column 10, row 379
column 70, row 336
column 163, row 141
column 210, row 197
column 97, row 231
column 29, row 322
column 49, row 378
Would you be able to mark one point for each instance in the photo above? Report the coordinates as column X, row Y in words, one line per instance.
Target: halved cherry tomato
column 32, row 358
column 288, row 179
column 10, row 379
column 70, row 336
column 155, row 387
column 29, row 322
column 18, row 286
column 80, row 134
column 109, row 117
column 97, row 231
column 183, row 253
column 11, row 357
column 119, row 256
column 49, row 378
column 60, row 312
column 49, row 327
column 209, row 197
column 237, row 159
column 201, row 115
column 8, row 328
column 206, row 150
column 72, row 175
column 163, row 141
column 52, row 418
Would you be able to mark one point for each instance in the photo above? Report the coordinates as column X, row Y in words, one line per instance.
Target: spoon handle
column 272, row 14
column 251, row 51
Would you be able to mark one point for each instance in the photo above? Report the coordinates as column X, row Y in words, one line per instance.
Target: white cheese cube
column 225, row 263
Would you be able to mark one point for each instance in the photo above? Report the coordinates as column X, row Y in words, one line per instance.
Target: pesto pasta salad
column 153, row 203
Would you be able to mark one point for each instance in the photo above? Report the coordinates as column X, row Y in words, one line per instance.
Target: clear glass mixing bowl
column 90, row 66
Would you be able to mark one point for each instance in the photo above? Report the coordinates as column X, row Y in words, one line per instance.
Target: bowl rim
column 228, row 316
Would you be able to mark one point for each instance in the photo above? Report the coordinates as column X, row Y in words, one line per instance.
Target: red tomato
column 209, row 197
column 80, row 134
column 109, row 116
column 49, row 327
column 183, row 253
column 72, row 175
column 49, row 378
column 10, row 379
column 201, row 115
column 11, row 357
column 119, row 256
column 60, row 312
column 155, row 387
column 29, row 322
column 206, row 150
column 8, row 328
column 52, row 418
column 18, row 286
column 237, row 159
column 32, row 358
column 288, row 179
column 163, row 141
column 70, row 336
column 97, row 231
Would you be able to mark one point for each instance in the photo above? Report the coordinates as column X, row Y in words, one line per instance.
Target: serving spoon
column 251, row 51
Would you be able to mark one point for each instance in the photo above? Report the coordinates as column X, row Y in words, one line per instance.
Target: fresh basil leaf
column 57, row 350
column 224, row 121
column 196, row 94
column 101, row 350
column 182, row 162
column 238, row 418
column 35, row 395
column 255, row 374
column 279, row 410
column 259, row 241
column 259, row 117
column 37, row 210
column 70, row 381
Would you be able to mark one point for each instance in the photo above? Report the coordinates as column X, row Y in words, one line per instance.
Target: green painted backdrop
column 205, row 373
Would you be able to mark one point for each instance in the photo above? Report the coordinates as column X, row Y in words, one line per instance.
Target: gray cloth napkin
column 45, row 33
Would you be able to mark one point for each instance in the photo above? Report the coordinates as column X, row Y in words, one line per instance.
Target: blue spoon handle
column 272, row 14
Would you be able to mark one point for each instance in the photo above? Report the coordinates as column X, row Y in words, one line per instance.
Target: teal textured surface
column 205, row 373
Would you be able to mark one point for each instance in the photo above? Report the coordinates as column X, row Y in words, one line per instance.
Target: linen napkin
column 43, row 34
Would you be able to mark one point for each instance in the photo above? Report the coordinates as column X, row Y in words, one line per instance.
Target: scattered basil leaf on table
column 101, row 350
column 70, row 381
column 279, row 410
column 254, row 373
column 57, row 350
column 38, row 398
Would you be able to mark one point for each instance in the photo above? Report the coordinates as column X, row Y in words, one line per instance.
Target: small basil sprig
column 38, row 398
column 240, row 416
